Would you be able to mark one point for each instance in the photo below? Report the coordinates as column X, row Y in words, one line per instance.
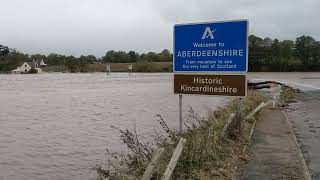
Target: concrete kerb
column 306, row 172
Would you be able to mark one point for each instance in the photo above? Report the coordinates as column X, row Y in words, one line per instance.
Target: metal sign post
column 180, row 113
column 130, row 68
column 108, row 67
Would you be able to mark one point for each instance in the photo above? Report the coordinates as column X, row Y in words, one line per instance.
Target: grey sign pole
column 180, row 113
column 108, row 66
column 240, row 115
column 130, row 69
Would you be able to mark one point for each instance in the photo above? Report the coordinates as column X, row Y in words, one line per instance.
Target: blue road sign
column 211, row 47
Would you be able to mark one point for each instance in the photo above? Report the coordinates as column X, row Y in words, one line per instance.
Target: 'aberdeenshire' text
column 211, row 53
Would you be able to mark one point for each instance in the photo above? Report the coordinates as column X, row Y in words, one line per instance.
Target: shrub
column 33, row 71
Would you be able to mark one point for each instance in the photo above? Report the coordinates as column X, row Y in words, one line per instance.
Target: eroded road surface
column 305, row 118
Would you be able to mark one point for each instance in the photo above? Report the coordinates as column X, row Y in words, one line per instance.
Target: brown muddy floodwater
column 57, row 126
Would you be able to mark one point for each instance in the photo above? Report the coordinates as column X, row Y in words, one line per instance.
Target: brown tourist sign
column 221, row 85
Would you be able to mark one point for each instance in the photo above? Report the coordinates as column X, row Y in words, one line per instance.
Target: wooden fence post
column 274, row 102
column 226, row 127
column 262, row 105
column 150, row 169
column 173, row 161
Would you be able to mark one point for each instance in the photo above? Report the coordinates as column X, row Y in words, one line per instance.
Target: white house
column 42, row 63
column 16, row 71
column 27, row 66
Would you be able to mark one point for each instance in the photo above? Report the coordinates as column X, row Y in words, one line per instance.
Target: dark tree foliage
column 33, row 71
column 132, row 56
column 307, row 50
column 4, row 50
column 72, row 63
column 275, row 55
column 10, row 59
column 265, row 54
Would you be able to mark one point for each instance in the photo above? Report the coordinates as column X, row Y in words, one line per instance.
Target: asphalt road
column 273, row 154
column 305, row 118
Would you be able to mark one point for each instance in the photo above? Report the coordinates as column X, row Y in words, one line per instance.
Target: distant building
column 16, row 71
column 27, row 66
column 39, row 63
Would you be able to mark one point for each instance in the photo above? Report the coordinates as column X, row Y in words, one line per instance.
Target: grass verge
column 288, row 95
column 204, row 156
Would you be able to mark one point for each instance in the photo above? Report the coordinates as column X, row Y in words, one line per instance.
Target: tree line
column 11, row 58
column 265, row 54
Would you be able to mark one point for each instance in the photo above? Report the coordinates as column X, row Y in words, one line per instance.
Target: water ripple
column 57, row 126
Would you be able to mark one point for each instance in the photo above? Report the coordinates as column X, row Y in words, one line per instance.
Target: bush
column 288, row 95
column 33, row 71
column 167, row 69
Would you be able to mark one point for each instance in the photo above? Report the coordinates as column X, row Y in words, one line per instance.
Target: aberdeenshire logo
column 208, row 33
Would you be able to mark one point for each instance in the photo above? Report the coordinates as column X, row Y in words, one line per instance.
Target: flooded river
column 57, row 126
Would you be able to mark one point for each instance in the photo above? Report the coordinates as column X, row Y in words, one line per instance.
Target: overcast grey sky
column 75, row 27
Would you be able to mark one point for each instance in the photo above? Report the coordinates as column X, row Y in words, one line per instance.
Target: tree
column 316, row 53
column 91, row 59
column 267, row 42
column 83, row 63
column 287, row 49
column 133, row 56
column 55, row 59
column 150, row 57
column 165, row 56
column 72, row 63
column 121, row 57
column 4, row 50
column 266, row 48
column 304, row 46
column 256, row 53
column 38, row 57
column 109, row 57
column 12, row 59
column 275, row 48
